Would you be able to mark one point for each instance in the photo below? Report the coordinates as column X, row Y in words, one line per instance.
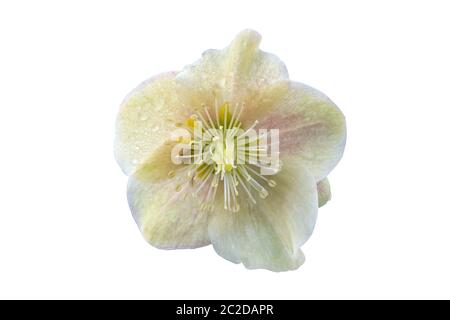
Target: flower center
column 223, row 160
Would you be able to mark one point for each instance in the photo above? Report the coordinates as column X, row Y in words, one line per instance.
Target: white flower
column 259, row 220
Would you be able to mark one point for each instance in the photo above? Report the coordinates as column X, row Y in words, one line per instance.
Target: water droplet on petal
column 171, row 174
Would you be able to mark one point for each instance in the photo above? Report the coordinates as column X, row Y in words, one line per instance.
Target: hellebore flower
column 189, row 192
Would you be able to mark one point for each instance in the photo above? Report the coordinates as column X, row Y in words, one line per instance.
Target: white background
column 65, row 227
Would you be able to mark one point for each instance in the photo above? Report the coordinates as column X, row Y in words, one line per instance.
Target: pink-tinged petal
column 311, row 127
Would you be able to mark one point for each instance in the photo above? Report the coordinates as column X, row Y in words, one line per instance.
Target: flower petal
column 167, row 218
column 146, row 118
column 231, row 73
column 269, row 234
column 311, row 126
column 323, row 191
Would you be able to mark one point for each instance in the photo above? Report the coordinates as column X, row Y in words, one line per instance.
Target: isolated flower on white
column 249, row 217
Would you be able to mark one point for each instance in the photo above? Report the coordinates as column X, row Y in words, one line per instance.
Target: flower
column 250, row 217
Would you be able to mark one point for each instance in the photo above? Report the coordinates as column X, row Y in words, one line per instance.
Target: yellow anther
column 190, row 122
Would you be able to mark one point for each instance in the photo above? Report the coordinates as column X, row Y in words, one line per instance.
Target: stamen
column 225, row 193
column 195, row 193
column 203, row 120
column 225, row 116
column 239, row 113
column 209, row 118
column 270, row 182
column 233, row 114
column 253, row 125
column 234, row 194
column 216, row 107
column 246, row 189
column 263, row 193
column 222, row 155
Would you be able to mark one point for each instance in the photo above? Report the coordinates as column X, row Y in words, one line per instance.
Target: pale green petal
column 159, row 164
column 323, row 191
column 167, row 218
column 269, row 234
column 146, row 118
column 311, row 126
column 232, row 73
